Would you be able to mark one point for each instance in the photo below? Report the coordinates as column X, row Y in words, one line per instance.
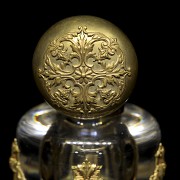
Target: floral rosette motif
column 84, row 71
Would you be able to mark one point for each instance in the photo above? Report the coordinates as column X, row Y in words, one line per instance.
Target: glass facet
column 34, row 125
column 68, row 144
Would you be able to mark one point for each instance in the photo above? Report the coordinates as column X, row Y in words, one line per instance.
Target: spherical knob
column 85, row 67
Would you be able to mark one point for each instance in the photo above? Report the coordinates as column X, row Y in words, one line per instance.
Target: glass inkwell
column 86, row 69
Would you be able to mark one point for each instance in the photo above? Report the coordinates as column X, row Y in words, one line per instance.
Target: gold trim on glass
column 160, row 164
column 86, row 170
column 14, row 162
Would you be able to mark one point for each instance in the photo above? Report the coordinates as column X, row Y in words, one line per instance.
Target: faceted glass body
column 70, row 143
column 75, row 137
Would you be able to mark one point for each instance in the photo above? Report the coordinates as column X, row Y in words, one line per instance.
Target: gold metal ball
column 85, row 67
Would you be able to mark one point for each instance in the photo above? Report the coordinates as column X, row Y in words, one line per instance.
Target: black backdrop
column 152, row 29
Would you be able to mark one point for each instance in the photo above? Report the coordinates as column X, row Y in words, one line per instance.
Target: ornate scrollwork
column 86, row 171
column 84, row 71
column 14, row 162
column 160, row 164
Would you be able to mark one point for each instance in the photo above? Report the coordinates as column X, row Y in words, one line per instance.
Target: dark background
column 152, row 28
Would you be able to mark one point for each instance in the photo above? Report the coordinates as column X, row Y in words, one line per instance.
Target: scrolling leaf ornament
column 84, row 71
column 87, row 171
